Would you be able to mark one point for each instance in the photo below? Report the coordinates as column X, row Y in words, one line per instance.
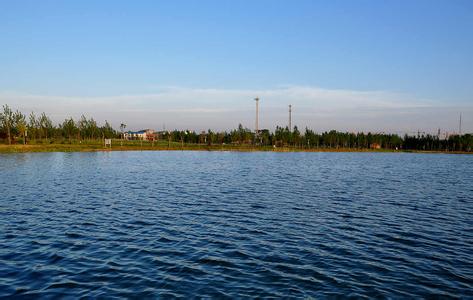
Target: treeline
column 15, row 126
column 309, row 139
column 283, row 137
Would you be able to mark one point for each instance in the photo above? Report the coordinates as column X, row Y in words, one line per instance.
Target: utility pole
column 122, row 127
column 290, row 117
column 257, row 115
column 460, row 132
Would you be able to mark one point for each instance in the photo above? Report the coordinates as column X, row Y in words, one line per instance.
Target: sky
column 398, row 66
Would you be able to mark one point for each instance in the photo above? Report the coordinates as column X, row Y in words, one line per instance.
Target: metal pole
column 290, row 117
column 257, row 115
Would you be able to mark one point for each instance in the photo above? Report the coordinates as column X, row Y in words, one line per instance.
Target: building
column 145, row 134
column 375, row 146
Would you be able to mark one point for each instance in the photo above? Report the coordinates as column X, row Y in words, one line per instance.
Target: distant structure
column 460, row 125
column 290, row 117
column 145, row 134
column 375, row 146
column 257, row 116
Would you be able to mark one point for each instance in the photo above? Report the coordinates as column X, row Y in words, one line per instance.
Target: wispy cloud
column 201, row 108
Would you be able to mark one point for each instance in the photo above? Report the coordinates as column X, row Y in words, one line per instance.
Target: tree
column 6, row 119
column 122, row 128
column 32, row 125
column 69, row 128
column 20, row 124
column 92, row 128
column 107, row 130
column 82, row 126
column 45, row 125
column 296, row 136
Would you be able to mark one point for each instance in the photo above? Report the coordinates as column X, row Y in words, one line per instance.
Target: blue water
column 236, row 225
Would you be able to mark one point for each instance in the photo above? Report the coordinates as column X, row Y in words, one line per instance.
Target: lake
column 236, row 225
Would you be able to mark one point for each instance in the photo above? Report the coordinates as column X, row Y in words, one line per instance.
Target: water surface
column 223, row 224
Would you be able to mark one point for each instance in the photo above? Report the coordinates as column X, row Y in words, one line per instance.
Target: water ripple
column 236, row 225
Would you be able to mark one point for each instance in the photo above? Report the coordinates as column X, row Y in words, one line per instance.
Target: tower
column 460, row 125
column 290, row 117
column 257, row 116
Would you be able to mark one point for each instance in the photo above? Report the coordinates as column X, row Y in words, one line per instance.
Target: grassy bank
column 117, row 145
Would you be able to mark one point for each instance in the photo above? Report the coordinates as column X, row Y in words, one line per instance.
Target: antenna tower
column 290, row 117
column 257, row 116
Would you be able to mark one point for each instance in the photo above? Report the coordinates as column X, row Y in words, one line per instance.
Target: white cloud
column 199, row 108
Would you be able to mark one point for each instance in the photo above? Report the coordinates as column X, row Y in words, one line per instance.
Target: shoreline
column 5, row 149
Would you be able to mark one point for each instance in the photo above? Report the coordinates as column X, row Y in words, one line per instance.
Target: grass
column 127, row 146
column 95, row 145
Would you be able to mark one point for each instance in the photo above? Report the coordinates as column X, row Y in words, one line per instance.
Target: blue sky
column 349, row 65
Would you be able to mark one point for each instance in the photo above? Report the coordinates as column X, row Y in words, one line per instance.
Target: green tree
column 122, row 129
column 6, row 119
column 69, row 128
column 32, row 125
column 107, row 130
column 20, row 125
column 46, row 126
column 82, row 126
